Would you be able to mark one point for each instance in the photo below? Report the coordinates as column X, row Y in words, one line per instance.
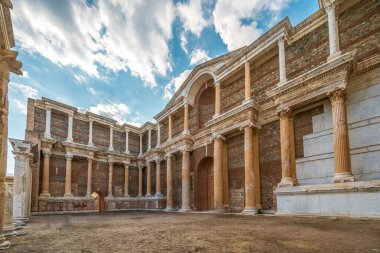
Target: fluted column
column 126, row 141
column 169, row 183
column 110, row 175
column 170, row 130
column 89, row 176
column 217, row 99
column 286, row 160
column 47, row 133
column 110, row 148
column 333, row 29
column 218, row 173
column 140, row 194
column 45, row 174
column 185, row 181
column 70, row 128
column 126, row 180
column 158, row 178
column 69, row 158
column 148, row 180
column 342, row 160
column 90, row 143
column 247, row 81
column 186, row 129
column 281, row 58
column 249, row 173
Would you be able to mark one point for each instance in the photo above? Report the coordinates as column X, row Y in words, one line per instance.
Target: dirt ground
column 177, row 232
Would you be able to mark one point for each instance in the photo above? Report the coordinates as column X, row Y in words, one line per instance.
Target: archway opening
column 100, row 203
column 205, row 185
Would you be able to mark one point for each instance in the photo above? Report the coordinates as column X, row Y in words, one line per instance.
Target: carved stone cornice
column 154, row 154
column 314, row 84
column 9, row 56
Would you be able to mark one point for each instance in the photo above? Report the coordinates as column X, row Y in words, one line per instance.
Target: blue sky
column 124, row 59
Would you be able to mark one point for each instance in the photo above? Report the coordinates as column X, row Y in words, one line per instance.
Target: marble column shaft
column 185, row 181
column 247, row 81
column 170, row 130
column 217, row 99
column 148, row 180
column 186, row 129
column 169, row 183
column 110, row 175
column 286, row 160
column 249, row 174
column 158, row 177
column 45, row 174
column 69, row 158
column 126, row 180
column 89, row 176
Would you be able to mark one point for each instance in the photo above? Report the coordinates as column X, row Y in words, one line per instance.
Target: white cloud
column 198, row 56
column 237, row 23
column 184, row 42
column 192, row 16
column 80, row 78
column 174, row 84
column 106, row 36
column 117, row 111
column 20, row 105
column 22, row 92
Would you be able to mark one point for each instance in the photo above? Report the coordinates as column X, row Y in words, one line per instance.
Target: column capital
column 282, row 39
column 48, row 108
column 168, row 155
column 126, row 165
column 284, row 113
column 217, row 84
column 337, row 95
column 218, row 136
column 69, row 156
column 185, row 149
column 329, row 5
column 46, row 152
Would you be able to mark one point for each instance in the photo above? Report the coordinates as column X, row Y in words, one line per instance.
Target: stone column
column 45, row 174
column 247, row 81
column 342, row 160
column 217, row 99
column 170, row 130
column 70, row 131
column 281, row 57
column 249, row 173
column 256, row 167
column 22, row 187
column 286, row 159
column 110, row 148
column 89, row 176
column 126, row 180
column 90, row 143
column 333, row 29
column 185, row 181
column 218, row 173
column 110, row 175
column 141, row 144
column 169, row 183
column 148, row 178
column 140, row 194
column 47, row 133
column 158, row 135
column 158, row 178
column 186, row 129
column 126, row 141
column 69, row 158
column 149, row 139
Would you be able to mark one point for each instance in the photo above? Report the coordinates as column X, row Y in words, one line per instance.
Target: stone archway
column 100, row 203
column 205, row 185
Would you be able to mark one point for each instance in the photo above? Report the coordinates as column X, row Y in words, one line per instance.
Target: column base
column 216, row 115
column 88, row 195
column 148, row 195
column 249, row 211
column 168, row 209
column 343, row 177
column 186, row 132
column 69, row 140
column 127, row 196
column 246, row 101
column 286, row 182
column 184, row 209
column 140, row 196
column 158, row 194
column 47, row 136
column 110, row 149
column 45, row 194
column 219, row 210
column 68, row 195
column 333, row 56
column 90, row 144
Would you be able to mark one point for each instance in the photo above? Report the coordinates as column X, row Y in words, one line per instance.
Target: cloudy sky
column 125, row 59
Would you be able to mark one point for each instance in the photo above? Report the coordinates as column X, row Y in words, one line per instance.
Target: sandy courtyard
column 175, row 232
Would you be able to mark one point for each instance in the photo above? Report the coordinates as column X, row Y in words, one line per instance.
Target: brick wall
column 359, row 28
column 100, row 177
column 177, row 180
column 177, row 121
column 164, row 130
column 79, row 174
column 119, row 141
column 235, row 151
column 101, row 136
column 57, row 175
column 303, row 125
column 270, row 163
column 133, row 181
column 39, row 120
column 81, row 131
column 118, row 178
column 134, row 143
column 59, row 125
column 232, row 92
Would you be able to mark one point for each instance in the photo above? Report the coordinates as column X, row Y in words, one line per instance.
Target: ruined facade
column 289, row 124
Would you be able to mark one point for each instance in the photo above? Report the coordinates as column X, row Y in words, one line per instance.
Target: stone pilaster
column 247, row 81
column 186, row 129
column 110, row 148
column 218, row 173
column 185, row 181
column 70, row 128
column 89, row 176
column 45, row 174
column 148, row 180
column 110, row 175
column 126, row 141
column 249, row 173
column 281, row 57
column 286, row 159
column 217, row 99
column 158, row 178
column 169, row 183
column 342, row 160
column 333, row 29
column 90, row 143
column 47, row 133
column 69, row 158
column 126, row 180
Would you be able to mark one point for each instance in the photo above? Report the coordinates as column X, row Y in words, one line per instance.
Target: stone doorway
column 100, row 203
column 205, row 185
